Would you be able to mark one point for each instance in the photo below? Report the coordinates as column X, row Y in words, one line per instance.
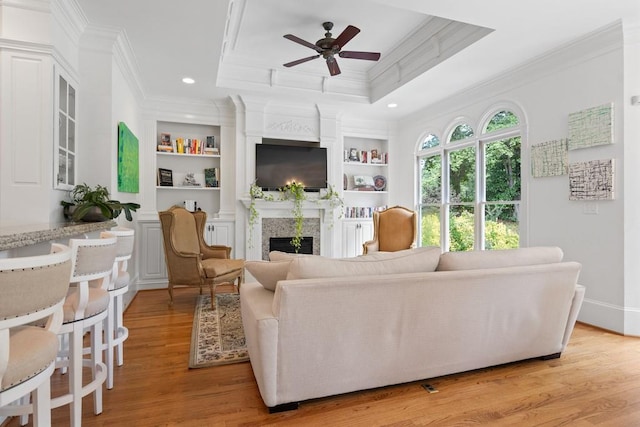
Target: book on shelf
column 165, row 177
column 211, row 177
column 165, row 145
column 211, row 145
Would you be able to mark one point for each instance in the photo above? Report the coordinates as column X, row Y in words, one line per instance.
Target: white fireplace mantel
column 284, row 208
column 321, row 209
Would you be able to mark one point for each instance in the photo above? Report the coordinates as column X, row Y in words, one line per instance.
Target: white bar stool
column 85, row 307
column 116, row 333
column 32, row 289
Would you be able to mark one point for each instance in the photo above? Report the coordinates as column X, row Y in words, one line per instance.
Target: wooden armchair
column 190, row 261
column 394, row 229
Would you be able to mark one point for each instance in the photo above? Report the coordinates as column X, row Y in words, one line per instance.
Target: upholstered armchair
column 190, row 261
column 394, row 229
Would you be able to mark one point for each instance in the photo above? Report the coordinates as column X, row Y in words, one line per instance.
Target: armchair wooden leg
column 213, row 297
column 170, row 288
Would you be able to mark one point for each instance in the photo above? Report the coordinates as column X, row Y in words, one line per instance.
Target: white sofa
column 317, row 327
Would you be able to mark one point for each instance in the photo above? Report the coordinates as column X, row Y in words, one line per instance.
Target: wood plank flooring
column 595, row 382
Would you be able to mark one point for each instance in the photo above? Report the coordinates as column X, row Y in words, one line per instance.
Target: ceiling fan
column 328, row 47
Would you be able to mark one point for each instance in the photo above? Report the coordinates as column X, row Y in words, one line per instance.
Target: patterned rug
column 217, row 337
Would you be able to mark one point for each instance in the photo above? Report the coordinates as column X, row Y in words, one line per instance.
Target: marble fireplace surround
column 276, row 220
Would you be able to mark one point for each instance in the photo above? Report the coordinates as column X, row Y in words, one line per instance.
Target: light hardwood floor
column 595, row 382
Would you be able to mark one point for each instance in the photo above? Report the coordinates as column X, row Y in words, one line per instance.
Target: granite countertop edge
column 48, row 232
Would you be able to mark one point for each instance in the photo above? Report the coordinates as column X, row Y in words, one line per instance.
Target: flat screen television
column 277, row 165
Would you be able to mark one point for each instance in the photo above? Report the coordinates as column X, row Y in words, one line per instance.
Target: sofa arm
column 576, row 303
column 261, row 335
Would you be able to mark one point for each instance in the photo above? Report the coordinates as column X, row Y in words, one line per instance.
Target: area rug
column 217, row 337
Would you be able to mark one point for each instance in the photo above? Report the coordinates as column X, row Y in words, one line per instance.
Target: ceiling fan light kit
column 328, row 48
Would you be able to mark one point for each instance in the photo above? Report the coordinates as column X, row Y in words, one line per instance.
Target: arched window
column 502, row 120
column 430, row 141
column 480, row 205
column 462, row 131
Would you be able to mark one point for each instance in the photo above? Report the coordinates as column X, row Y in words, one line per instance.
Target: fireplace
column 282, row 229
column 276, row 221
column 283, row 244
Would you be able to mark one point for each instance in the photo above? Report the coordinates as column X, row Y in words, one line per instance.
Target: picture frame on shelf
column 379, row 183
column 165, row 177
column 364, row 156
column 363, row 183
column 354, row 155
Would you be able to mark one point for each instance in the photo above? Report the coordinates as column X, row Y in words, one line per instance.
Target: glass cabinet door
column 65, row 137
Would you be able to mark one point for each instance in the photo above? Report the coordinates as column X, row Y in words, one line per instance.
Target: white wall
column 584, row 74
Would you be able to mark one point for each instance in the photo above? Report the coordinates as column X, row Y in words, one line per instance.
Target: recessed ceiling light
column 188, row 80
column 392, row 105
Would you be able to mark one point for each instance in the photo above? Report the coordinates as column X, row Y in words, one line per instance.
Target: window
column 65, row 137
column 480, row 208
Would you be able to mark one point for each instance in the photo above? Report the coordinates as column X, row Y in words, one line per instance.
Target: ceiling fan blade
column 344, row 37
column 333, row 66
column 300, row 61
column 302, row 42
column 371, row 56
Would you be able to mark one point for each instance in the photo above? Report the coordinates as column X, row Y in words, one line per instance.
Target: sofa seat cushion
column 474, row 260
column 268, row 273
column 418, row 260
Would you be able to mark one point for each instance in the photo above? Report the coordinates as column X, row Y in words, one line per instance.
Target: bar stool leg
column 75, row 374
column 96, row 360
column 121, row 331
column 109, row 338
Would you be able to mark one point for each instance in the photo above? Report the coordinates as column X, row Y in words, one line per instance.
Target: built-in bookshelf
column 365, row 166
column 365, row 189
column 188, row 165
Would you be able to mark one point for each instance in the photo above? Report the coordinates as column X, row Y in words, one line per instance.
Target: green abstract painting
column 128, row 167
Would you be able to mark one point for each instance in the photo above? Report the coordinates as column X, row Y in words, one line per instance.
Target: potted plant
column 93, row 204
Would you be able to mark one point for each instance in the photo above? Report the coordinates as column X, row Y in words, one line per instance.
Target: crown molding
column 114, row 41
column 70, row 17
column 595, row 44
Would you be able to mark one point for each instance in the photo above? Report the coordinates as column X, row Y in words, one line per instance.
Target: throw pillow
column 474, row 260
column 268, row 273
column 408, row 261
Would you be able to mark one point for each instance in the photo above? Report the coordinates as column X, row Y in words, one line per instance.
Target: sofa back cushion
column 416, row 260
column 474, row 260
column 281, row 256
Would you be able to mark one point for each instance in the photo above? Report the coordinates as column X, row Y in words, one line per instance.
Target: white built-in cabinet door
column 152, row 262
column 354, row 234
column 219, row 232
column 153, row 270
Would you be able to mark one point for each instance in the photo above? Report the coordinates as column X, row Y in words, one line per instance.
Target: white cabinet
column 153, row 270
column 217, row 232
column 354, row 234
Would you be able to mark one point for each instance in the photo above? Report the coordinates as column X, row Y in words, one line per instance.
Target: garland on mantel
column 295, row 192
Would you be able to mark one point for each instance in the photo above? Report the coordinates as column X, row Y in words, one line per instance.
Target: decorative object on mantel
column 295, row 192
column 217, row 337
column 93, row 204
